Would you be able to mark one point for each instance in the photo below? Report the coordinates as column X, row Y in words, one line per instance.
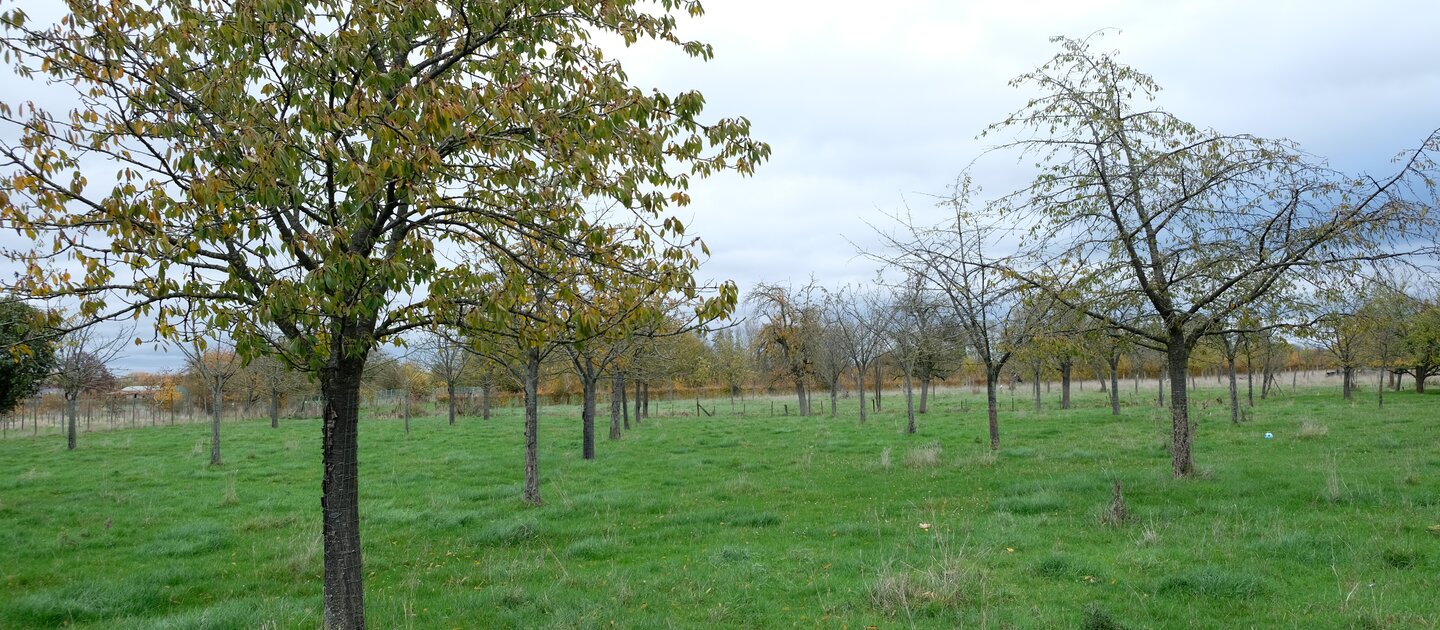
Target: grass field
column 759, row 522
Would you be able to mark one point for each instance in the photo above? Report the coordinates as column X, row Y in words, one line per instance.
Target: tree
column 790, row 332
column 81, row 366
column 215, row 367
column 1197, row 223
column 446, row 359
column 856, row 316
column 1420, row 345
column 26, row 352
column 301, row 166
column 982, row 297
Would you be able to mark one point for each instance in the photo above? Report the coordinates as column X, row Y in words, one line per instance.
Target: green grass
column 750, row 522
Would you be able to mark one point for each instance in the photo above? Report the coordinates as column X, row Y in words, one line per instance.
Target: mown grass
column 751, row 522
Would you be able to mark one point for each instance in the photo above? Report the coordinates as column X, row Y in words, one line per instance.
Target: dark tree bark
column 624, row 404
column 71, row 421
column 992, row 406
column 1181, row 435
column 1114, row 364
column 924, row 389
column 217, row 397
column 860, row 386
column 532, row 427
column 450, row 396
column 1035, row 376
column 617, row 402
column 909, row 403
column 274, row 409
column 1234, row 389
column 340, row 498
column 588, row 384
column 878, row 384
column 1067, row 367
column 485, row 399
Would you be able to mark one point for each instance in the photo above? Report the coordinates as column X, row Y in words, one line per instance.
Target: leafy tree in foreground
column 335, row 170
column 26, row 356
column 1198, row 223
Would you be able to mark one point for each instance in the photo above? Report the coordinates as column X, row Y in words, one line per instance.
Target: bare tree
column 854, row 314
column 82, row 361
column 446, row 359
column 1197, row 223
column 215, row 362
column 983, row 298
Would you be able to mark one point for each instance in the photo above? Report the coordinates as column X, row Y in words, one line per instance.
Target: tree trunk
column 217, row 396
column 340, row 498
column 1419, row 380
column 992, row 375
column 1234, row 390
column 909, row 403
column 624, row 403
column 1114, row 386
column 637, row 403
column 1380, row 390
column 800, row 393
column 924, row 392
column 72, row 421
column 877, row 387
column 1160, row 381
column 485, row 399
column 644, row 402
column 588, row 385
column 405, row 410
column 450, row 396
column 1035, row 375
column 274, row 409
column 834, row 395
column 1181, row 435
column 1066, row 368
column 860, row 381
column 617, row 402
column 532, row 427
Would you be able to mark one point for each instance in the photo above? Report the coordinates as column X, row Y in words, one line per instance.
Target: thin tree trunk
column 274, row 409
column 340, row 499
column 1115, row 386
column 924, row 391
column 532, row 427
column 624, row 402
column 909, row 403
column 1234, row 390
column 860, row 381
column 485, row 399
column 992, row 374
column 877, row 387
column 644, row 403
column 588, row 384
column 450, row 396
column 1035, row 375
column 1066, row 368
column 617, row 402
column 834, row 396
column 217, row 396
column 1160, row 381
column 70, row 413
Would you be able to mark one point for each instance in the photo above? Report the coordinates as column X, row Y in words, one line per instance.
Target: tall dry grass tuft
column 927, row 456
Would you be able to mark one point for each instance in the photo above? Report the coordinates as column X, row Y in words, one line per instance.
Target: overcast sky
column 869, row 106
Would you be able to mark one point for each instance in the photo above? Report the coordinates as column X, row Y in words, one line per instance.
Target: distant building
column 137, row 391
